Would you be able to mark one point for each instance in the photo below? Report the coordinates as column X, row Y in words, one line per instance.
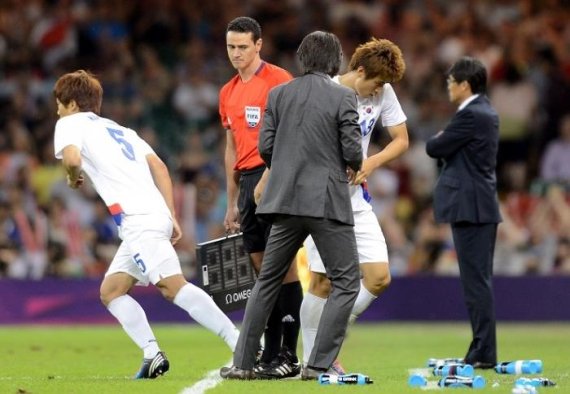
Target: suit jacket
column 466, row 190
column 310, row 134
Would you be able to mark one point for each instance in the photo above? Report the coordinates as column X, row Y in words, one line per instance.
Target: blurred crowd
column 162, row 63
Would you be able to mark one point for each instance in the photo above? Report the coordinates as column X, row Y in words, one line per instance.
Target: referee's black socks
column 289, row 301
column 272, row 335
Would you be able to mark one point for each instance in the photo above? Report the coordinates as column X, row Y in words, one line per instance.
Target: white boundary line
column 211, row 380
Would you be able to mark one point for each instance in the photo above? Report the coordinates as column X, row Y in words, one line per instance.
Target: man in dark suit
column 309, row 138
column 465, row 195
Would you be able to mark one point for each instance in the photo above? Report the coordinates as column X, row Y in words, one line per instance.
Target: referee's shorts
column 255, row 229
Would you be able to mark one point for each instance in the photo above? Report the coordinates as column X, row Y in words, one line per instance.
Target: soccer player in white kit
column 372, row 67
column 135, row 185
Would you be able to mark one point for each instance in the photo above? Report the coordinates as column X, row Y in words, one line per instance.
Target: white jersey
column 114, row 158
column 386, row 107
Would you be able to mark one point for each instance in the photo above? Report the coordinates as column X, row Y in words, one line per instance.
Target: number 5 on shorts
column 140, row 262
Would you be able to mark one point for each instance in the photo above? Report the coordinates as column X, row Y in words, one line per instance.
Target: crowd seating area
column 162, row 63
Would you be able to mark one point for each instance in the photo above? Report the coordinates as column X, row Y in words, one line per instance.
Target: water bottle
column 352, row 378
column 454, row 369
column 476, row 382
column 519, row 367
column 535, row 382
column 436, row 362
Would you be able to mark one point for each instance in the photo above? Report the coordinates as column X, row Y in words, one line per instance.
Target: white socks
column 310, row 313
column 204, row 310
column 312, row 309
column 363, row 300
column 133, row 319
column 192, row 299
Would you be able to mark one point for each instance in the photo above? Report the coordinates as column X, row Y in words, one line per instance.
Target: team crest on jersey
column 252, row 116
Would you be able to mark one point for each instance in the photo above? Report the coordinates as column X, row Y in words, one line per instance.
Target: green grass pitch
column 102, row 359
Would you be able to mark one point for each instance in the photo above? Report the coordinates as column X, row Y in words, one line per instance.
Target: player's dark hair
column 245, row 24
column 379, row 58
column 82, row 87
column 471, row 70
column 320, row 51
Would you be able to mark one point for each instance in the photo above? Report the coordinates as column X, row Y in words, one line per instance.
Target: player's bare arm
column 231, row 221
column 72, row 163
column 163, row 182
column 394, row 149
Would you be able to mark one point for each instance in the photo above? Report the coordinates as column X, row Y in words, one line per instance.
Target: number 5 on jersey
column 127, row 148
column 140, row 262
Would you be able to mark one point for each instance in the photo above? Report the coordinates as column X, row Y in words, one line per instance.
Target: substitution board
column 226, row 272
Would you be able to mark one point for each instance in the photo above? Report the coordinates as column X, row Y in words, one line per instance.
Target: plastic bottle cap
column 467, row 370
column 417, row 381
column 478, row 382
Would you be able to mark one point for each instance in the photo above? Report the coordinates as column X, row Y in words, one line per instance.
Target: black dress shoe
column 483, row 365
column 310, row 373
column 235, row 373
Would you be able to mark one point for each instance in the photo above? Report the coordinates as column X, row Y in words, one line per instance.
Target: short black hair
column 320, row 51
column 471, row 70
column 245, row 24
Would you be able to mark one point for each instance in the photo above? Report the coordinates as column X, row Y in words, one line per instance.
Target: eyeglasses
column 451, row 80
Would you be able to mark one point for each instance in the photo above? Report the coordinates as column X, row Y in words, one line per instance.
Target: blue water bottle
column 476, row 382
column 519, row 367
column 436, row 362
column 536, row 382
column 538, row 365
column 352, row 378
column 454, row 370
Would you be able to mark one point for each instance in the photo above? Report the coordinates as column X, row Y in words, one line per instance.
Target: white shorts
column 370, row 243
column 146, row 253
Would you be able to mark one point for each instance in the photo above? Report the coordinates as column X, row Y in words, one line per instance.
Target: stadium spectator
column 555, row 165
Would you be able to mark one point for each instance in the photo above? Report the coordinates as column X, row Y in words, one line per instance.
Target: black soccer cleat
column 260, row 365
column 263, row 366
column 235, row 373
column 285, row 366
column 153, row 367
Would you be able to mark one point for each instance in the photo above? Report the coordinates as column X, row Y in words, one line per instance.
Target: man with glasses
column 465, row 196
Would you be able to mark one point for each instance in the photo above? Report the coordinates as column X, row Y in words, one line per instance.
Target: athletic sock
column 132, row 317
column 290, row 299
column 204, row 310
column 272, row 335
column 311, row 311
column 363, row 300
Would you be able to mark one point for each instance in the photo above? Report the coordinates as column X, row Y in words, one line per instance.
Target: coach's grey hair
column 320, row 51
